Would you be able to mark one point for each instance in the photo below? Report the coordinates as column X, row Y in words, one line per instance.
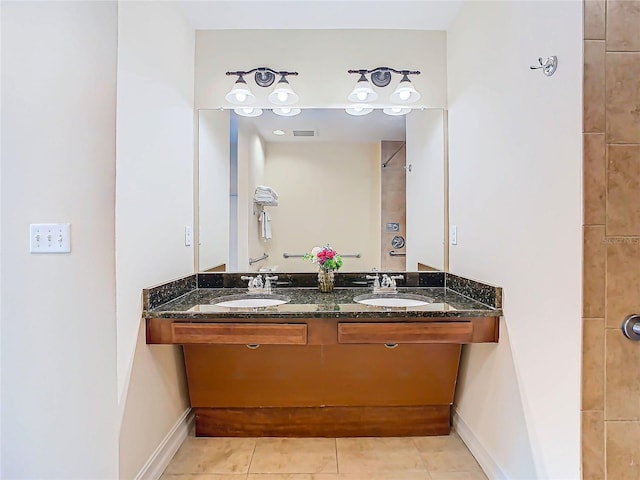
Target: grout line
column 335, row 443
column 253, row 452
column 420, row 456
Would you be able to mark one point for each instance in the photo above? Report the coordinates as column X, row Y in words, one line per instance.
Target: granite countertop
column 194, row 298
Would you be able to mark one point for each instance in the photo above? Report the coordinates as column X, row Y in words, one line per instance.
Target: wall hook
column 548, row 67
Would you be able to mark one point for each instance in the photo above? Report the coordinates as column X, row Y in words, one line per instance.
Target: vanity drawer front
column 239, row 333
column 418, row 332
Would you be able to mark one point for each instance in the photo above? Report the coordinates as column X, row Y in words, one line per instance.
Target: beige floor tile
column 212, row 455
column 294, row 455
column 386, row 476
column 458, row 476
column 380, row 455
column 446, row 454
column 293, row 476
column 205, row 476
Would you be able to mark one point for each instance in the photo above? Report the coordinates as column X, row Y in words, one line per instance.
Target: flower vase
column 325, row 281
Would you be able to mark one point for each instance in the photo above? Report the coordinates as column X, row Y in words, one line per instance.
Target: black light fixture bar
column 264, row 76
column 381, row 76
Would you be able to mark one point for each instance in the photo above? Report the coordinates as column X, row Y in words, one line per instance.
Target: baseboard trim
column 491, row 468
column 160, row 458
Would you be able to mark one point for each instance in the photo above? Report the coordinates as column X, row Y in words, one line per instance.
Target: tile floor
column 404, row 458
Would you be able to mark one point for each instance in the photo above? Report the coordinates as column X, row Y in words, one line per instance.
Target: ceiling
column 329, row 125
column 314, row 14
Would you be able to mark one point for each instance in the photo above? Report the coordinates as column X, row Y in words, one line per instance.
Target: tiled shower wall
column 393, row 199
column 611, row 277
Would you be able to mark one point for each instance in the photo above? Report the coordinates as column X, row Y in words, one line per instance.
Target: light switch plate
column 187, row 236
column 50, row 237
column 453, row 235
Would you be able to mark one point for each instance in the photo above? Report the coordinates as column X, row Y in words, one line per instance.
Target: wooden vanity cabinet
column 322, row 377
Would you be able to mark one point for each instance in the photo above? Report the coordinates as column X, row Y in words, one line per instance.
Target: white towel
column 264, row 190
column 265, row 227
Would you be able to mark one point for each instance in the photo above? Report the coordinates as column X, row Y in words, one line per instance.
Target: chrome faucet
column 388, row 284
column 256, row 285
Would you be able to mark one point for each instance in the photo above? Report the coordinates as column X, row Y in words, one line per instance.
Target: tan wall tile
column 592, row 445
column 594, row 178
column 594, row 91
column 622, row 382
column 623, row 188
column 622, row 97
column 593, row 364
column 623, row 25
column 594, row 19
column 593, row 305
column 623, row 450
column 623, row 280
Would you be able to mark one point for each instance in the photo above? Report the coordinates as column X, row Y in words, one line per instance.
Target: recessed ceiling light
column 278, row 132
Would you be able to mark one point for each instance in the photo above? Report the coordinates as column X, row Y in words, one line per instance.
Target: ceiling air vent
column 304, row 133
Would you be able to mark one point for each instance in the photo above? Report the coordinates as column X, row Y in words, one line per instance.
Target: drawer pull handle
column 391, row 345
column 253, row 346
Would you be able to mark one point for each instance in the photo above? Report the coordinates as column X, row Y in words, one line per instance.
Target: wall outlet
column 50, row 238
column 453, row 235
column 187, row 236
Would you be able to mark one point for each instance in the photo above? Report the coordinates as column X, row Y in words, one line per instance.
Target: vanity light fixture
column 362, row 92
column 404, row 93
column 283, row 94
column 359, row 109
column 248, row 111
column 240, row 93
column 396, row 110
column 286, row 111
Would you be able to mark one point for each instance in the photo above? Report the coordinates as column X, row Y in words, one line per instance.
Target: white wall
column 59, row 405
column 515, row 179
column 155, row 148
column 322, row 58
column 213, row 188
column 312, row 209
column 425, row 189
column 251, row 159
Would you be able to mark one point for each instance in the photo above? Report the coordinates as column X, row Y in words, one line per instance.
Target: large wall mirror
column 372, row 186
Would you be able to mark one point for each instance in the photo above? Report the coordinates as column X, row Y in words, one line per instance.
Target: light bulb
column 282, row 96
column 361, row 96
column 285, row 110
column 241, row 97
column 396, row 109
column 404, row 95
column 358, row 108
column 248, row 110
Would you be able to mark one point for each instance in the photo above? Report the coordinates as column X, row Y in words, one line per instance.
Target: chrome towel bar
column 300, row 255
column 254, row 260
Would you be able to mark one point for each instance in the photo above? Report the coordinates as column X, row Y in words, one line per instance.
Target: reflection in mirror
column 372, row 187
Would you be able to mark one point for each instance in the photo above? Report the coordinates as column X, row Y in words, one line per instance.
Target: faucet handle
column 267, row 281
column 244, row 277
column 376, row 280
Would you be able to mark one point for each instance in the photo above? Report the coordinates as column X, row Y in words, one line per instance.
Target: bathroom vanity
column 322, row 364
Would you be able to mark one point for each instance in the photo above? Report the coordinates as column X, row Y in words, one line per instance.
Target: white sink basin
column 393, row 300
column 249, row 301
